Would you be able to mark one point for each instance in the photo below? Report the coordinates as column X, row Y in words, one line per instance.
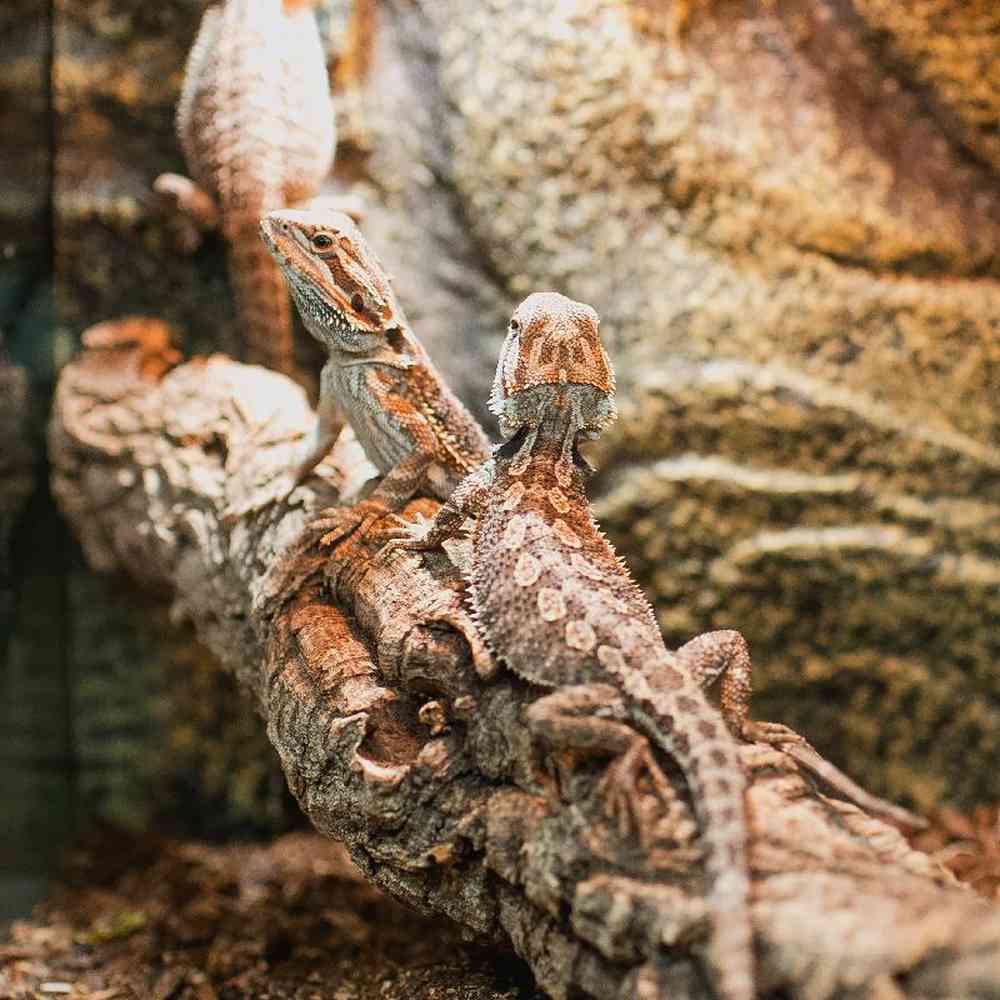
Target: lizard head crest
column 553, row 341
column 339, row 285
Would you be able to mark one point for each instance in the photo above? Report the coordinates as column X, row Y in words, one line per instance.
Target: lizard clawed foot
column 188, row 209
column 619, row 788
column 286, row 485
column 773, row 733
column 337, row 523
column 409, row 536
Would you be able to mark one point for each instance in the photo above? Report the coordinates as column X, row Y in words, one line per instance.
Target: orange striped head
column 553, row 341
column 339, row 285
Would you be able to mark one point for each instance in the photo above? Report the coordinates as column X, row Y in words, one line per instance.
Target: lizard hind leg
column 587, row 719
column 624, row 800
column 725, row 652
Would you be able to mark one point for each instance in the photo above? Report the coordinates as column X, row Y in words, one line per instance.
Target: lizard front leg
column 192, row 210
column 324, row 433
column 467, row 500
column 397, row 486
column 725, row 652
column 589, row 719
column 308, row 455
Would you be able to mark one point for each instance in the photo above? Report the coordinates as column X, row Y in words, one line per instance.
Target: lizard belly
column 265, row 69
column 384, row 438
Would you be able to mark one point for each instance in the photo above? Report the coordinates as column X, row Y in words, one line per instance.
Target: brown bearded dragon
column 256, row 123
column 410, row 424
column 559, row 608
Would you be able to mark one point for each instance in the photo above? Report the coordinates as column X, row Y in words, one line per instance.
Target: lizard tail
column 730, row 949
column 263, row 309
column 683, row 724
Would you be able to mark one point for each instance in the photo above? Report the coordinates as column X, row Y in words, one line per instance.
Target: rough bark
column 399, row 736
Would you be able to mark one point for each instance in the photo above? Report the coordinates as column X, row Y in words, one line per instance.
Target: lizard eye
column 514, row 326
column 322, row 242
column 358, row 302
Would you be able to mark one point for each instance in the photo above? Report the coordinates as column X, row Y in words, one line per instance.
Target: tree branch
column 400, row 737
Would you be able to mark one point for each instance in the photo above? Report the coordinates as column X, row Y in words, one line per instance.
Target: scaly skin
column 256, row 124
column 560, row 609
column 410, row 424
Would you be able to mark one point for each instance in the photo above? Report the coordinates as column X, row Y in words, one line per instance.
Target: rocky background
column 788, row 216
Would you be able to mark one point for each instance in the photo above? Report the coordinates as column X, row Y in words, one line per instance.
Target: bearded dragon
column 560, row 609
column 410, row 424
column 256, row 124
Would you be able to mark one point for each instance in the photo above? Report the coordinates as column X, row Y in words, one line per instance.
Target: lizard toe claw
column 619, row 788
column 337, row 523
column 407, row 536
column 769, row 732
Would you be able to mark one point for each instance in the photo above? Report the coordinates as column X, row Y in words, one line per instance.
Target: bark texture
column 398, row 735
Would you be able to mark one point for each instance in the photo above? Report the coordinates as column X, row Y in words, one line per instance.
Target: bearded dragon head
column 339, row 285
column 553, row 358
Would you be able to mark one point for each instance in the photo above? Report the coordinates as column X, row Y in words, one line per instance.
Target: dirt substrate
column 167, row 920
column 160, row 919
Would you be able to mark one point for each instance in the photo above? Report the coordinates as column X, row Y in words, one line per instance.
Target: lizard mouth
column 326, row 278
column 269, row 233
column 316, row 293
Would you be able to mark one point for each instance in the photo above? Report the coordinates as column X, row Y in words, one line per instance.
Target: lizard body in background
column 410, row 424
column 559, row 608
column 256, row 123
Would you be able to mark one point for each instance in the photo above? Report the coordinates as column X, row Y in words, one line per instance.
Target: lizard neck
column 543, row 424
column 545, row 447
